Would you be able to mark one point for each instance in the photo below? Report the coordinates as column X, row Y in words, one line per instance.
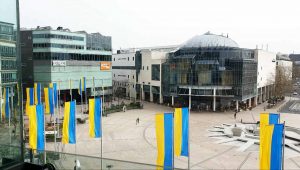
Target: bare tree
column 283, row 81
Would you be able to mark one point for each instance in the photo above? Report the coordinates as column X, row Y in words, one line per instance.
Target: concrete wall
column 127, row 59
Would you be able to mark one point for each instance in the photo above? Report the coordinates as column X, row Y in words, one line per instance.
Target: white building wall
column 126, row 76
column 266, row 67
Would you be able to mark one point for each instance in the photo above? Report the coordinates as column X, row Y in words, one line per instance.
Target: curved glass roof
column 209, row 40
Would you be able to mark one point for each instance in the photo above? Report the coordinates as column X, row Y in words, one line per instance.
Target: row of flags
column 36, row 123
column 172, row 128
column 271, row 142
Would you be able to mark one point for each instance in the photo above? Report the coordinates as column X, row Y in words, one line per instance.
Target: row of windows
column 56, row 36
column 147, row 67
column 9, row 77
column 51, row 45
column 69, row 56
column 7, row 37
column 127, row 59
column 8, row 65
column 7, row 51
column 4, row 29
column 124, row 76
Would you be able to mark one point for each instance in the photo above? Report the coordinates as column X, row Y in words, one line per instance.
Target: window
column 128, row 76
column 147, row 68
column 132, row 58
column 143, row 67
column 155, row 72
column 132, row 86
column 114, row 59
column 133, row 76
column 128, row 58
column 114, row 75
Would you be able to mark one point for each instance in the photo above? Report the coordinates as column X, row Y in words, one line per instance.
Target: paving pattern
column 124, row 140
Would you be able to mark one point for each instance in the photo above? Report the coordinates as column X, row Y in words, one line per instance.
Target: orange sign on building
column 105, row 65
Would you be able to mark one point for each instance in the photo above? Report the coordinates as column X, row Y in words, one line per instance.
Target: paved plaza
column 124, row 140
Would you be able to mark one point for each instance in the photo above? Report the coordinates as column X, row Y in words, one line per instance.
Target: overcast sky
column 141, row 23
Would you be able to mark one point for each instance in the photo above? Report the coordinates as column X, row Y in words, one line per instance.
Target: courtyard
column 123, row 139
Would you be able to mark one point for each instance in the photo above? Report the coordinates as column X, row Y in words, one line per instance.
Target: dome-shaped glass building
column 210, row 72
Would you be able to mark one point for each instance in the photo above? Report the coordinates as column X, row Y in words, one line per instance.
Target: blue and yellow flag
column 48, row 92
column 6, row 104
column 164, row 137
column 37, row 93
column 181, row 131
column 54, row 87
column 95, row 117
column 82, row 85
column 29, row 98
column 271, row 147
column 36, row 127
column 69, row 125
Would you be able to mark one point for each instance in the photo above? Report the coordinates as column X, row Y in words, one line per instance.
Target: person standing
column 137, row 121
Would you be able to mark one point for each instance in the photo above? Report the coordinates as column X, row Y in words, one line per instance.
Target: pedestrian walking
column 137, row 121
column 235, row 114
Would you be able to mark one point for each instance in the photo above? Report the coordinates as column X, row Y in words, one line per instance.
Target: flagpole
column 94, row 86
column 58, row 105
column 189, row 160
column 44, row 138
column 101, row 132
column 173, row 164
column 53, row 105
column 75, row 134
column 71, row 89
column 283, row 145
column 11, row 110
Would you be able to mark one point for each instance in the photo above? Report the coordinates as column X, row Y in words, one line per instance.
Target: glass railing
column 10, row 155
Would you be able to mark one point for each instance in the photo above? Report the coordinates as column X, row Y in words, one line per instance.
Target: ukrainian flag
column 49, row 100
column 36, row 127
column 82, row 85
column 271, row 147
column 181, row 130
column 69, row 125
column 37, row 93
column 6, row 104
column 95, row 117
column 54, row 87
column 29, row 98
column 164, row 136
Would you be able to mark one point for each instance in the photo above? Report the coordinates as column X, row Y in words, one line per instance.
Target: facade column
column 237, row 105
column 267, row 95
column 260, row 95
column 250, row 103
column 172, row 100
column 190, row 98
column 255, row 101
column 161, row 100
column 151, row 94
column 214, row 102
column 143, row 94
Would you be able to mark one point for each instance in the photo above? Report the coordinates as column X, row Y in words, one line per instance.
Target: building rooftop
column 210, row 40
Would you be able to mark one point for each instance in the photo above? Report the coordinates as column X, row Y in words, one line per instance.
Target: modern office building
column 62, row 56
column 208, row 72
column 124, row 74
column 266, row 72
column 137, row 72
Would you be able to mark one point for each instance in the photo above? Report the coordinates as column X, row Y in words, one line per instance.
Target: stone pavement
column 124, row 140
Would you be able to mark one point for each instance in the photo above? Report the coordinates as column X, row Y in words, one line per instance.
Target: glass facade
column 155, row 72
column 70, row 56
column 10, row 124
column 56, row 36
column 231, row 71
